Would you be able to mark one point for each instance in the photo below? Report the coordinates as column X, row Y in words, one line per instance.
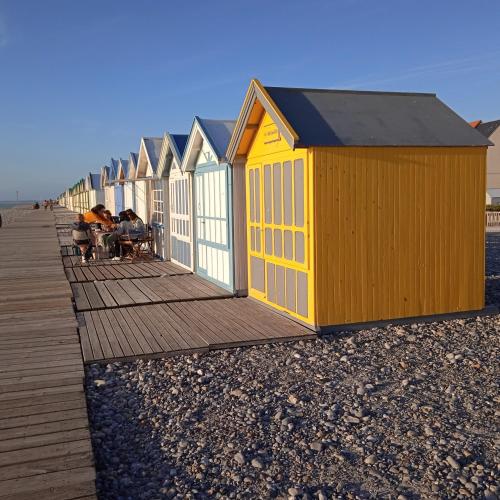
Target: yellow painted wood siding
column 399, row 232
column 279, row 224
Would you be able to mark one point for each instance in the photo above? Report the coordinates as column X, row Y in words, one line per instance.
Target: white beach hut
column 129, row 183
column 147, row 161
column 215, row 258
column 94, row 190
column 180, row 204
column 172, row 150
column 108, row 188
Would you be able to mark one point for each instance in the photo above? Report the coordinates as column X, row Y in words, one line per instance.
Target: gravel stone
column 393, row 412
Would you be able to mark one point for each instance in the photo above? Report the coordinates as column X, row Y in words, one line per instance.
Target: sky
column 82, row 81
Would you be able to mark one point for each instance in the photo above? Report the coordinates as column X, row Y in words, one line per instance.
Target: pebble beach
column 397, row 412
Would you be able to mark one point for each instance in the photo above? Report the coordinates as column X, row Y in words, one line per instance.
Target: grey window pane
column 268, row 201
column 257, row 240
column 302, row 305
column 299, row 192
column 290, row 289
column 288, row 237
column 257, row 269
column 269, row 241
column 271, row 291
column 299, row 247
column 277, row 192
column 252, row 194
column 278, row 252
column 257, row 195
column 287, row 193
column 252, row 238
column 280, row 286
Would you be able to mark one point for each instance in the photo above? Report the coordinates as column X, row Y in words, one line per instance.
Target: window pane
column 288, row 237
column 251, row 195
column 299, row 192
column 277, row 192
column 299, row 247
column 269, row 241
column 268, row 202
column 278, row 252
column 257, row 195
column 287, row 193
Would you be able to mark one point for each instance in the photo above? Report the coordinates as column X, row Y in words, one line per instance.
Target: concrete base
column 486, row 311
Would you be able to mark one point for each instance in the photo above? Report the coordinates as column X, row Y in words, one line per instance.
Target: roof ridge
column 350, row 91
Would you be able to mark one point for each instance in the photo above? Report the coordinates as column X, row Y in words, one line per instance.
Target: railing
column 492, row 219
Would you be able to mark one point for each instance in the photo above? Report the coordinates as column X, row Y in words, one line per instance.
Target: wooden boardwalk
column 131, row 292
column 100, row 272
column 45, row 448
column 128, row 311
column 182, row 327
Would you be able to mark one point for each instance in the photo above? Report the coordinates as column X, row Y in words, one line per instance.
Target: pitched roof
column 323, row 117
column 104, row 175
column 133, row 160
column 113, row 169
column 487, row 128
column 95, row 181
column 173, row 147
column 218, row 133
column 123, row 166
column 153, row 147
column 354, row 118
column 475, row 123
column 180, row 141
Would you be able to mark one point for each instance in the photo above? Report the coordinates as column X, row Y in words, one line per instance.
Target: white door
column 180, row 219
column 213, row 248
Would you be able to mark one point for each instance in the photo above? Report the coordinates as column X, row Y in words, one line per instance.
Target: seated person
column 82, row 237
column 138, row 228
column 131, row 228
column 110, row 224
column 95, row 215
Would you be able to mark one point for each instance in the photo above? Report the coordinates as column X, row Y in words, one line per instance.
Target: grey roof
column 358, row 118
column 124, row 165
column 218, row 132
column 133, row 158
column 113, row 169
column 153, row 146
column 95, row 181
column 180, row 141
column 487, row 128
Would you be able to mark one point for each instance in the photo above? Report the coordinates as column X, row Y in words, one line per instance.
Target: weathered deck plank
column 166, row 329
column 45, row 449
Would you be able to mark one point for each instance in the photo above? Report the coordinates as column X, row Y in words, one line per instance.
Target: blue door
column 119, row 207
column 213, row 219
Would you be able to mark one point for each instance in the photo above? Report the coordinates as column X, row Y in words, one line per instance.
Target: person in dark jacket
column 83, row 237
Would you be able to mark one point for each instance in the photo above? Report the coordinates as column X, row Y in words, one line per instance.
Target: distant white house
column 492, row 131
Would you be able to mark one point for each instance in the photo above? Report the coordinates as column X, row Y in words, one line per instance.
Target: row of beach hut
column 333, row 207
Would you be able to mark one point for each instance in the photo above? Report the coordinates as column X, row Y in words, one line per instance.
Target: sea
column 10, row 204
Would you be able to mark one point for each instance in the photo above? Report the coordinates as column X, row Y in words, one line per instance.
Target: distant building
column 492, row 131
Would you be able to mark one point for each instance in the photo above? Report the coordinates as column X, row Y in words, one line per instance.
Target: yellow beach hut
column 360, row 206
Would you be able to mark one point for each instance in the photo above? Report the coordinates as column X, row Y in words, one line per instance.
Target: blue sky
column 81, row 81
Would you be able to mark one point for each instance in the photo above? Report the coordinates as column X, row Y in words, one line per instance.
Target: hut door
column 278, row 233
column 254, row 228
column 212, row 225
column 180, row 221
